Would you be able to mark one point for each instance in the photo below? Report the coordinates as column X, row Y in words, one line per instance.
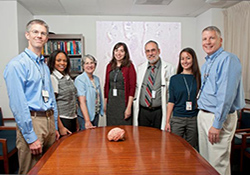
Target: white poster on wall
column 135, row 35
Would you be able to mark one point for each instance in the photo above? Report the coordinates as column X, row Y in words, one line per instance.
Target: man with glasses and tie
column 32, row 99
column 152, row 89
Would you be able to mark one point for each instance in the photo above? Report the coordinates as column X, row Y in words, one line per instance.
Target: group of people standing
column 44, row 98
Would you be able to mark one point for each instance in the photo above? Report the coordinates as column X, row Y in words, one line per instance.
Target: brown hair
column 195, row 67
column 125, row 61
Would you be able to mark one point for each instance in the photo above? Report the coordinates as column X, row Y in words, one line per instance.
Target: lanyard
column 115, row 77
column 188, row 90
column 206, row 74
column 42, row 74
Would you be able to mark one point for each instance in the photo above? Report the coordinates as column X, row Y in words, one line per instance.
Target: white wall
column 8, row 46
column 23, row 16
column 210, row 17
column 11, row 15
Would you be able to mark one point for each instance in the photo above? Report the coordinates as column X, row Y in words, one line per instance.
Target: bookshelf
column 72, row 44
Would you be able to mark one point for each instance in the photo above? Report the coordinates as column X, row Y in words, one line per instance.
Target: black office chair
column 7, row 142
column 243, row 127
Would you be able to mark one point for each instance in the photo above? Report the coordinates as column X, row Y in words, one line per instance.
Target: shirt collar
column 214, row 55
column 59, row 75
column 33, row 56
column 157, row 65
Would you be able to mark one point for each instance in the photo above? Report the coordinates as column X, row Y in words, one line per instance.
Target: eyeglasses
column 36, row 33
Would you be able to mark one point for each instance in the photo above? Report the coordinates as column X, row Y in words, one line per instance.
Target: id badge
column 188, row 105
column 114, row 92
column 153, row 94
column 45, row 95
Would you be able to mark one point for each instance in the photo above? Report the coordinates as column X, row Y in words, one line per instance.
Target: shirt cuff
column 30, row 138
column 217, row 124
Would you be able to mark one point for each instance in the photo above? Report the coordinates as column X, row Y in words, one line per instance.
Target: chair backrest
column 1, row 117
column 244, row 118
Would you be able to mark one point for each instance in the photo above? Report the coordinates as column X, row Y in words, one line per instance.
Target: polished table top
column 145, row 150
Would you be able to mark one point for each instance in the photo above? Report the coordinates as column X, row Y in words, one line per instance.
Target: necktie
column 149, row 87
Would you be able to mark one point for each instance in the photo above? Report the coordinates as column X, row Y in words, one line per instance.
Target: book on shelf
column 76, row 64
column 72, row 47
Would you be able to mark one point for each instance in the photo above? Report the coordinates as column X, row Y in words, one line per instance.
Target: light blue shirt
column 23, row 76
column 223, row 91
column 85, row 88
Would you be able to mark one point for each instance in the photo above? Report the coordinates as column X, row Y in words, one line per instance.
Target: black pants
column 150, row 117
column 70, row 124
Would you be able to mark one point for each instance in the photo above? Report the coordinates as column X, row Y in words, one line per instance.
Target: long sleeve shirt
column 222, row 92
column 26, row 76
column 85, row 88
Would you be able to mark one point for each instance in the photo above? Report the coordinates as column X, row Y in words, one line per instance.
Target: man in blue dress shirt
column 221, row 95
column 32, row 98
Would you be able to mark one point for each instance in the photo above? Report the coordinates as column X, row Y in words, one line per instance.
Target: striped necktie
column 149, row 87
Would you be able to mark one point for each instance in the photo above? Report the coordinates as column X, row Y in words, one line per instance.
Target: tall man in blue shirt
column 32, row 98
column 220, row 96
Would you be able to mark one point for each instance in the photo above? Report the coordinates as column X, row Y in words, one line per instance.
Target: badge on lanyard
column 114, row 92
column 188, row 105
column 188, row 102
column 45, row 95
column 153, row 94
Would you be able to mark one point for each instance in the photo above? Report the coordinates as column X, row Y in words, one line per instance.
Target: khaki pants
column 44, row 128
column 218, row 154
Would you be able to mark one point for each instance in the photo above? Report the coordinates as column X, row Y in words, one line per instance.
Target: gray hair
column 152, row 41
column 89, row 57
column 37, row 21
column 213, row 28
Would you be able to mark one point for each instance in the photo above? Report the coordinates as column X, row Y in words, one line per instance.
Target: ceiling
column 168, row 8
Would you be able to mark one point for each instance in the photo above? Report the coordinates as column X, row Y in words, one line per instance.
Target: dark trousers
column 186, row 127
column 150, row 117
column 70, row 124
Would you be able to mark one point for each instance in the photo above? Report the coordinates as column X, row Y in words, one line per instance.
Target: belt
column 150, row 108
column 47, row 113
column 211, row 112
column 205, row 111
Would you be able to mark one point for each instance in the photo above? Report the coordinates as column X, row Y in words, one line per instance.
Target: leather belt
column 211, row 112
column 151, row 108
column 47, row 113
column 205, row 111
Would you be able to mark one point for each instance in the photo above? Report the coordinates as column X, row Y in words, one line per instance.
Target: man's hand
column 36, row 147
column 214, row 135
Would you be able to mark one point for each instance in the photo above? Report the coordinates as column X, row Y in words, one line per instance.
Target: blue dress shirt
column 24, row 75
column 223, row 91
column 85, row 88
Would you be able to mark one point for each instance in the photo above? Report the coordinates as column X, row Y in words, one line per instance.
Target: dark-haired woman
column 65, row 92
column 183, row 90
column 119, row 88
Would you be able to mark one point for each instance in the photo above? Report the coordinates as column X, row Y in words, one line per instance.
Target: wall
column 13, row 17
column 8, row 46
column 210, row 17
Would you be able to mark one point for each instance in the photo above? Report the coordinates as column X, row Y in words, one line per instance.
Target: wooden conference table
column 145, row 150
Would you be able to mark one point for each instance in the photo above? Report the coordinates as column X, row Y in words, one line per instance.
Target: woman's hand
column 88, row 125
column 64, row 131
column 127, row 113
column 167, row 127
